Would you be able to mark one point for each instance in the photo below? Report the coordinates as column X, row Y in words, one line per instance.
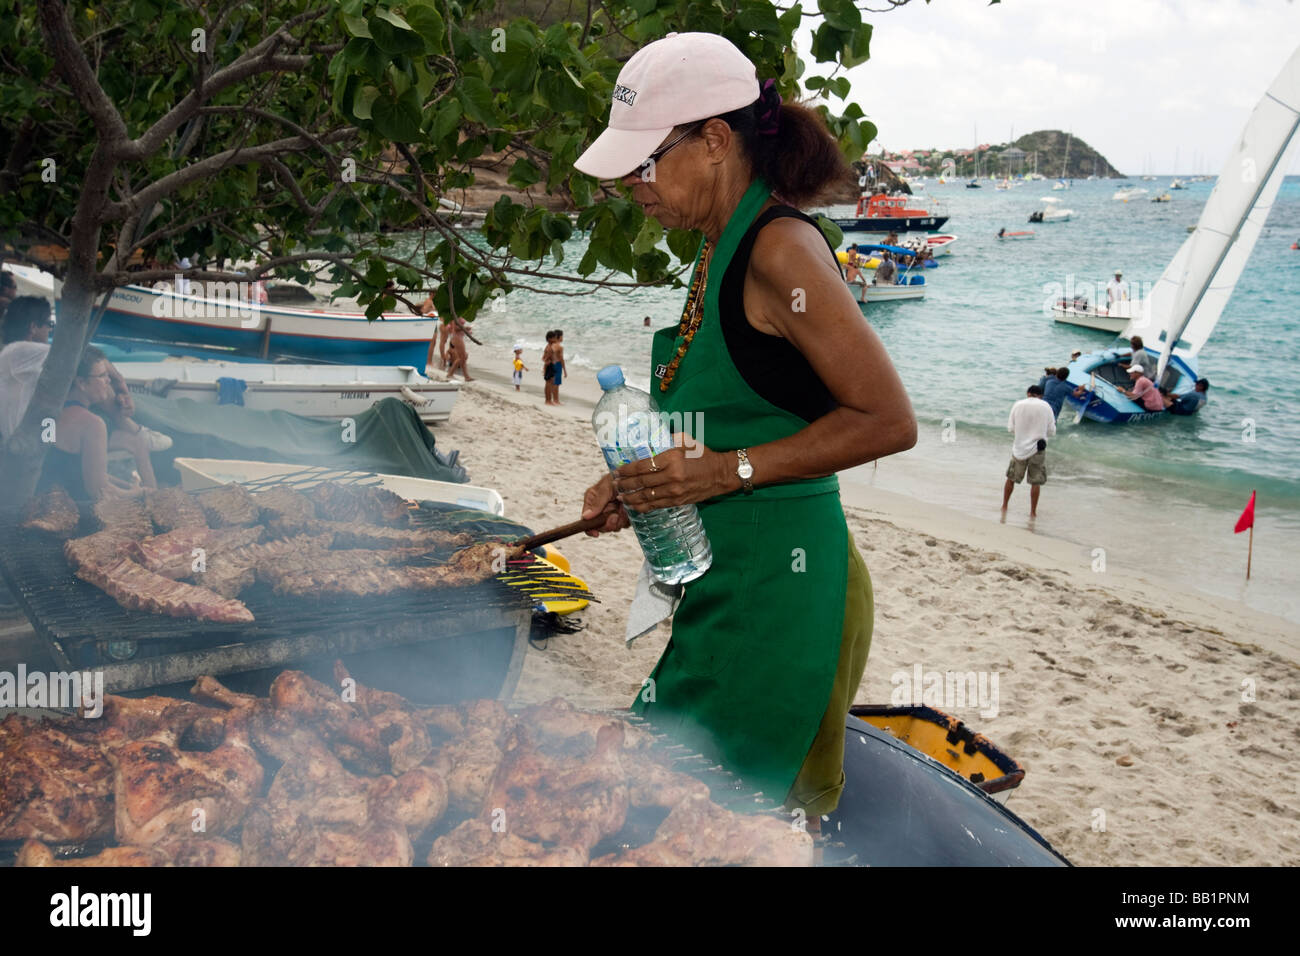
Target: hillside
column 1050, row 145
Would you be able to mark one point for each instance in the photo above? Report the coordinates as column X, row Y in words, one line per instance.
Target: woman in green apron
column 786, row 384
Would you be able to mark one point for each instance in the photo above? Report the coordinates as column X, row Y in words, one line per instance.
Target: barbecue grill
column 85, row 628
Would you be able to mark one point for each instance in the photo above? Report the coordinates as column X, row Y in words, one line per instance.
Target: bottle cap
column 610, row 377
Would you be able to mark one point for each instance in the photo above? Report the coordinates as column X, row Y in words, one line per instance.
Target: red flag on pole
column 1247, row 519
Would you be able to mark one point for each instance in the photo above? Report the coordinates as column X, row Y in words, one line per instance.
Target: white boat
column 31, row 281
column 1051, row 212
column 317, row 391
column 1089, row 317
column 1177, row 184
column 939, row 244
column 200, row 473
column 893, row 293
column 1061, row 184
column 1125, row 193
column 1188, row 299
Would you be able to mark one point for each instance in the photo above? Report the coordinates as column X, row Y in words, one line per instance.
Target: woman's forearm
column 838, row 440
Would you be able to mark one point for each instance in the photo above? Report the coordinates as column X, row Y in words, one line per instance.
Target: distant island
column 1044, row 152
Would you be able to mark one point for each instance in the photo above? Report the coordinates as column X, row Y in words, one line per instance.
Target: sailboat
column 1188, row 299
column 1065, row 165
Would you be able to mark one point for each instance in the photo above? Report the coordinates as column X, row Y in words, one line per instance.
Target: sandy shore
column 1156, row 727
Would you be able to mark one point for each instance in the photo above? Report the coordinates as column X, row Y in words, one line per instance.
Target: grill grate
column 86, row 623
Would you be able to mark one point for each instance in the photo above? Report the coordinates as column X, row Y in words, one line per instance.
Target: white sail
column 1194, row 288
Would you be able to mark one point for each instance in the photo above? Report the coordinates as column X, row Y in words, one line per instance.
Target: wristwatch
column 745, row 470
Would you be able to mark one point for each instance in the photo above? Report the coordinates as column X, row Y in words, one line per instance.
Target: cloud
column 1139, row 80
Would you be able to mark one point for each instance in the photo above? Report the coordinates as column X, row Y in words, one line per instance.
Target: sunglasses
column 663, row 151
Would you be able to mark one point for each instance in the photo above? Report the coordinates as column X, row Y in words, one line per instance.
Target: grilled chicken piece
column 351, row 736
column 375, row 844
column 473, row 843
column 558, row 722
column 401, row 728
column 317, row 813
column 561, row 800
column 38, row 854
column 698, row 832
column 54, row 511
column 654, row 785
column 158, row 787
column 213, row 691
column 173, row 508
column 52, row 787
column 128, row 719
column 213, row 852
column 470, row 759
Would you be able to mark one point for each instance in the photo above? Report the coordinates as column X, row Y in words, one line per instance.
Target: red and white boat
column 881, row 213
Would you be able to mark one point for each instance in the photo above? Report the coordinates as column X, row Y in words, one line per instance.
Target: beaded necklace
column 692, row 316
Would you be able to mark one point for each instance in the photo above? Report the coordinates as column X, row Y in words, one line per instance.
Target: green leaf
column 357, row 26
column 648, row 236
column 446, row 121
column 833, row 233
column 524, row 173
column 427, row 21
column 841, row 14
column 393, row 34
column 363, row 102
column 396, row 120
column 476, row 97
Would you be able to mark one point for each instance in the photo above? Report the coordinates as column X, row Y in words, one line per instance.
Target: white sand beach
column 1156, row 727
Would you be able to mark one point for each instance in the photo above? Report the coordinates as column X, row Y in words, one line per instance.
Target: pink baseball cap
column 680, row 79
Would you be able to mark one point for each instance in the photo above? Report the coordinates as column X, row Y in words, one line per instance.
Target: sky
column 1144, row 82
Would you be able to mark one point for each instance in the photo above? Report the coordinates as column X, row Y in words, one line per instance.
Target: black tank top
column 769, row 364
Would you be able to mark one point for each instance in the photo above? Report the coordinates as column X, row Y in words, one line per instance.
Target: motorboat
column 1125, row 193
column 881, row 213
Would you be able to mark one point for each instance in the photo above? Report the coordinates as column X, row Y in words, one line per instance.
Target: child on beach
column 519, row 367
column 548, row 366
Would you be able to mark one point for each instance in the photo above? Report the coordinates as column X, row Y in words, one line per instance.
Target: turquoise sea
column 1161, row 495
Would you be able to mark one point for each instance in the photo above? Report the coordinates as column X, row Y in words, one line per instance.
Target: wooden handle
column 564, row 531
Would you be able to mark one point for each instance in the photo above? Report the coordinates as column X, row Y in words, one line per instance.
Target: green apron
column 747, row 675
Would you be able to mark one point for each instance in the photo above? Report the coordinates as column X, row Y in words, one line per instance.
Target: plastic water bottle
column 630, row 428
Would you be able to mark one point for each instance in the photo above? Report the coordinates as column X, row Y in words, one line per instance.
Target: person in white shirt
column 1032, row 422
column 1116, row 290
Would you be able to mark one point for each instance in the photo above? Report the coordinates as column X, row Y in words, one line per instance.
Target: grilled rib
column 54, row 511
column 139, row 589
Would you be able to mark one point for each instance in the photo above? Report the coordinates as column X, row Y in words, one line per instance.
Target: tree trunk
column 20, row 466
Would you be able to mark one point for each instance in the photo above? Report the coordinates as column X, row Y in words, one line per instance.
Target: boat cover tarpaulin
column 388, row 438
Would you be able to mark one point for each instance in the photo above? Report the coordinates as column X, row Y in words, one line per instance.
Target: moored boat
column 316, row 391
column 222, row 318
column 880, row 213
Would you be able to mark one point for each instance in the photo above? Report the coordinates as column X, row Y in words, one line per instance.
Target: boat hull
column 893, row 293
column 169, row 318
column 316, row 391
column 1104, row 402
column 1090, row 319
column 891, row 224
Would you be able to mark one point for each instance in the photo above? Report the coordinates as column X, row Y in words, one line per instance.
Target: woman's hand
column 679, row 476
column 600, row 498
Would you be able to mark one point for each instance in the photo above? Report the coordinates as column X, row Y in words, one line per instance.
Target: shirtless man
column 558, row 368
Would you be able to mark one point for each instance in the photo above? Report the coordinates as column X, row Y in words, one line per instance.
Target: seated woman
column 83, row 439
